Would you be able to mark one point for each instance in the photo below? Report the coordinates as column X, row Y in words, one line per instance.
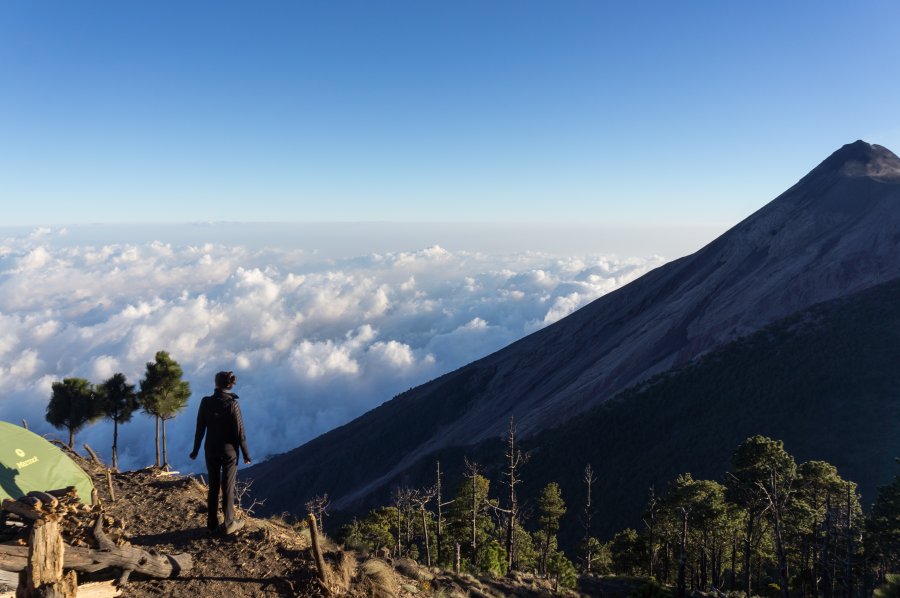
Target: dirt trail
column 167, row 514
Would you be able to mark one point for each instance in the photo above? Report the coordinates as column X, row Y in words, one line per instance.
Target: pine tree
column 163, row 394
column 118, row 401
column 552, row 508
column 72, row 406
column 883, row 526
column 761, row 482
column 469, row 522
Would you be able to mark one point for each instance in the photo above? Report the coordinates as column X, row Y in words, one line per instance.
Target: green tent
column 28, row 462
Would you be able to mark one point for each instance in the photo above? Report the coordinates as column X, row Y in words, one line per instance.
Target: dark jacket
column 220, row 418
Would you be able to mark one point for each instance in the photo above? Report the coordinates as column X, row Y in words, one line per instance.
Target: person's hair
column 225, row 380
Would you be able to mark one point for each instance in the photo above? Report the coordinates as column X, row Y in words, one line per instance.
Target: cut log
column 21, row 509
column 47, row 499
column 34, row 503
column 88, row 560
column 45, row 553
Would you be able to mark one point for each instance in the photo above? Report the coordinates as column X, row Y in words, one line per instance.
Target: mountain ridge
column 833, row 233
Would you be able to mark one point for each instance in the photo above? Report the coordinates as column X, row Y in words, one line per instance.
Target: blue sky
column 622, row 113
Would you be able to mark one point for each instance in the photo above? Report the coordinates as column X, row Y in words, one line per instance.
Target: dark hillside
column 825, row 381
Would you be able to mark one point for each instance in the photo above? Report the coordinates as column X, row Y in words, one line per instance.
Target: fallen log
column 88, row 560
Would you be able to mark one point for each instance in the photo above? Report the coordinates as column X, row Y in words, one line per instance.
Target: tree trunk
column 71, row 439
column 849, row 574
column 115, row 449
column 425, row 534
column 733, row 563
column 545, row 554
column 474, row 520
column 439, row 512
column 748, row 549
column 667, row 565
column 682, row 558
column 777, row 505
column 399, row 528
column 317, row 552
column 509, row 540
column 165, row 460
column 704, row 562
column 157, row 441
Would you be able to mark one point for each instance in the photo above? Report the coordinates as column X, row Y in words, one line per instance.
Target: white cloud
column 314, row 341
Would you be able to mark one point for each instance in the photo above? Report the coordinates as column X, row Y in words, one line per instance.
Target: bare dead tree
column 440, row 504
column 588, row 515
column 244, row 497
column 848, row 578
column 402, row 501
column 440, row 519
column 471, row 473
column 318, row 506
column 650, row 524
column 419, row 499
column 682, row 558
column 514, row 460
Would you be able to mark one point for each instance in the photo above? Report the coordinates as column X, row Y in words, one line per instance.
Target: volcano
column 833, row 234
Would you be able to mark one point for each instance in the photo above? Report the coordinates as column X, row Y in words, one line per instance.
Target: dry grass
column 377, row 578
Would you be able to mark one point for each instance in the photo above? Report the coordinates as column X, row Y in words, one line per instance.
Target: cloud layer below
column 314, row 342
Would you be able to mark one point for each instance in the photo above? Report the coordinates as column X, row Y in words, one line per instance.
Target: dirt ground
column 166, row 514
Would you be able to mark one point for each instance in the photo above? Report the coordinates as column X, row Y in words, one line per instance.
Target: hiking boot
column 234, row 526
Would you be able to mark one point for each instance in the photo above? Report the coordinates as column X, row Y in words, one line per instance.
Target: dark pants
column 222, row 468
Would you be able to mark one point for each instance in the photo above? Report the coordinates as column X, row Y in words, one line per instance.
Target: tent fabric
column 29, row 462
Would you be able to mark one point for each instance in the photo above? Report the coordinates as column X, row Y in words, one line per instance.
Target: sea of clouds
column 314, row 341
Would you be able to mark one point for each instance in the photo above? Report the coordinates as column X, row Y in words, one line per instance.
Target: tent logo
column 23, row 464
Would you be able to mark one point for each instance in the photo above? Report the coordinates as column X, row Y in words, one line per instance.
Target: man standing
column 220, row 419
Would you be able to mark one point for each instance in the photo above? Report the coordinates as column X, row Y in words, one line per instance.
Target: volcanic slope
column 833, row 233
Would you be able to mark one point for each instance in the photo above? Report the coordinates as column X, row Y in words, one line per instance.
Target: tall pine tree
column 118, row 401
column 164, row 395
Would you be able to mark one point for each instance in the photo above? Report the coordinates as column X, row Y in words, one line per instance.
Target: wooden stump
column 317, row 552
column 43, row 576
